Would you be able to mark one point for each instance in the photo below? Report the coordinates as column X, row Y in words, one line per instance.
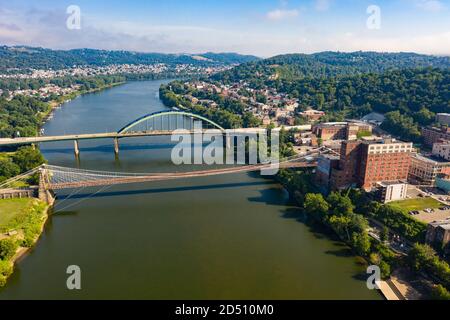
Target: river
column 223, row 237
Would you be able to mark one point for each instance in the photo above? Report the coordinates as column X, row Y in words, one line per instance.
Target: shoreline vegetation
column 20, row 231
column 56, row 103
column 347, row 214
column 22, row 220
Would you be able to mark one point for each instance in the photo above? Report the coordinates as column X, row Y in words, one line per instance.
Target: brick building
column 432, row 135
column 325, row 165
column 340, row 130
column 312, row 115
column 364, row 163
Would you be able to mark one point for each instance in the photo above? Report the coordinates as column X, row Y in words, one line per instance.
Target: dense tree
column 422, row 258
column 402, row 125
column 40, row 58
column 341, row 205
column 8, row 169
column 28, row 158
column 316, row 205
column 361, row 243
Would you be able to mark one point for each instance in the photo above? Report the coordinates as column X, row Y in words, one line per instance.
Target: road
column 113, row 135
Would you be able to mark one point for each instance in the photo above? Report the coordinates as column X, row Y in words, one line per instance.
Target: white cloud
column 322, row 5
column 430, row 5
column 48, row 29
column 281, row 14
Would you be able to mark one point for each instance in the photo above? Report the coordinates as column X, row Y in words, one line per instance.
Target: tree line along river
column 223, row 237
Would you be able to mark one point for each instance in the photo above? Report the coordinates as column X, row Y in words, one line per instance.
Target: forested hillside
column 39, row 58
column 326, row 64
column 24, row 114
column 408, row 88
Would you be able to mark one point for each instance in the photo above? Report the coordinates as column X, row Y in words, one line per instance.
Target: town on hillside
column 363, row 155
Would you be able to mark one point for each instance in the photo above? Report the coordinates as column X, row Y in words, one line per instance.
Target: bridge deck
column 112, row 135
column 177, row 175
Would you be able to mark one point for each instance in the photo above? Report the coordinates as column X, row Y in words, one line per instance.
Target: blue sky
column 260, row 27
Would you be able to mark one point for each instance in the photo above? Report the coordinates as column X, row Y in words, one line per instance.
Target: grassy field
column 11, row 209
column 416, row 204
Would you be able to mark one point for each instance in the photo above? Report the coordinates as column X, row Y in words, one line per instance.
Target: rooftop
column 431, row 159
column 391, row 183
column 445, row 224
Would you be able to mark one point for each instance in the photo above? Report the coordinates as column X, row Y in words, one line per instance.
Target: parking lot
column 434, row 215
column 426, row 204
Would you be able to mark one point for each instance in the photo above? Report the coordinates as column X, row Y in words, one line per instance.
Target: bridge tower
column 45, row 193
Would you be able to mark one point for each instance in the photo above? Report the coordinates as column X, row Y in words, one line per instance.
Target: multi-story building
column 424, row 170
column 312, row 115
column 443, row 118
column 392, row 191
column 325, row 164
column 345, row 175
column 432, row 135
column 438, row 232
column 340, row 130
column 384, row 160
column 442, row 149
column 330, row 130
column 364, row 163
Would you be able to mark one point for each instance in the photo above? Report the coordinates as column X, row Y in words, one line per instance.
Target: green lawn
column 13, row 208
column 416, row 204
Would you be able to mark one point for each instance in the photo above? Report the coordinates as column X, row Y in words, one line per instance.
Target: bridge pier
column 76, row 148
column 116, row 146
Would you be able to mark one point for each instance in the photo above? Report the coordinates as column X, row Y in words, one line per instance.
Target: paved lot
column 433, row 216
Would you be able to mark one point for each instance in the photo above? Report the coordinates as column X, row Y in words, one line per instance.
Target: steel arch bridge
column 167, row 121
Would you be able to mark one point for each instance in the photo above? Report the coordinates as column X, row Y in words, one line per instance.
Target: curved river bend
column 223, row 237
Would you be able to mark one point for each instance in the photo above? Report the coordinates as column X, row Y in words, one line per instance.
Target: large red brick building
column 365, row 163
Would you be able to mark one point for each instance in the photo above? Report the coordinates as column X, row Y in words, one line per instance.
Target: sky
column 260, row 27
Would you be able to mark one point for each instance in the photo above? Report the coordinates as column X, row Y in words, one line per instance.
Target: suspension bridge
column 53, row 177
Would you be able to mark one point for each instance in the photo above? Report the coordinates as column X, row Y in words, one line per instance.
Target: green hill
column 40, row 58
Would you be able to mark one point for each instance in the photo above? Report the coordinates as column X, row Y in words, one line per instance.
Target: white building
column 392, row 191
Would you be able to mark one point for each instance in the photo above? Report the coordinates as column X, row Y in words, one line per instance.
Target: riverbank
column 63, row 99
column 336, row 214
column 21, row 227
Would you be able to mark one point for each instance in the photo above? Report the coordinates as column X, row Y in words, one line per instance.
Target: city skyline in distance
column 261, row 28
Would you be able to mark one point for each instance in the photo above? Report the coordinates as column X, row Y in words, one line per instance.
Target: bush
column 400, row 221
column 6, row 268
column 8, row 248
column 424, row 258
column 385, row 269
column 440, row 293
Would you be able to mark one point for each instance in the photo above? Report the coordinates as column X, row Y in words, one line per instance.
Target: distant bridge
column 161, row 123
